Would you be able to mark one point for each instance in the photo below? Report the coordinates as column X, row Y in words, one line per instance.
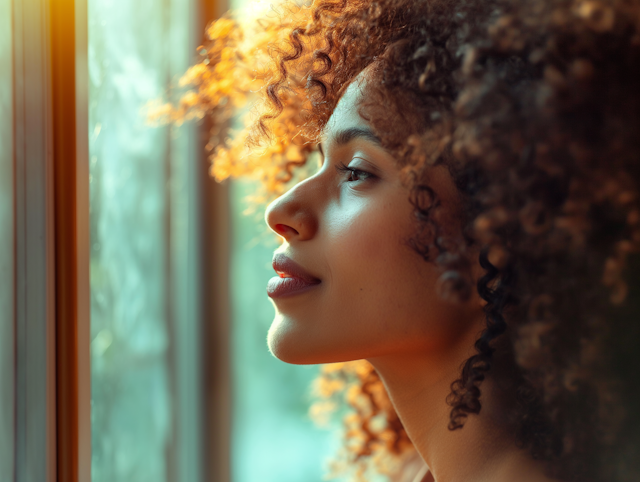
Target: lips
column 292, row 279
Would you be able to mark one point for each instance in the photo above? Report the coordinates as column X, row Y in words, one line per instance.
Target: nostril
column 283, row 230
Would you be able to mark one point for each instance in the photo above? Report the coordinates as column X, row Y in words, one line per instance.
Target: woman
column 473, row 228
column 350, row 286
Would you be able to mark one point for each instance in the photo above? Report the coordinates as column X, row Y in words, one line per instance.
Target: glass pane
column 6, row 245
column 144, row 356
column 274, row 439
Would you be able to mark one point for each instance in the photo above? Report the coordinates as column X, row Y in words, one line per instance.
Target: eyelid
column 343, row 169
column 368, row 166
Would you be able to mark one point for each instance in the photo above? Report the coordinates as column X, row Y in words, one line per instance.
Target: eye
column 354, row 174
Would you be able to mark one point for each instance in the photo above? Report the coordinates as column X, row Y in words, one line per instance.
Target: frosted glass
column 7, row 394
column 144, row 354
column 274, row 440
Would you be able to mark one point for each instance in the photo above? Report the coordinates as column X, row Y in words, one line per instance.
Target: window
column 146, row 363
column 134, row 349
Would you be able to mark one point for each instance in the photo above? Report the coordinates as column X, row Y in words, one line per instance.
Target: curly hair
column 548, row 120
column 539, row 125
column 533, row 107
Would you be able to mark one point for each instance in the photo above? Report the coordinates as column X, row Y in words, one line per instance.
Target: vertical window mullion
column 7, row 236
column 70, row 166
column 214, row 234
column 62, row 15
column 34, row 255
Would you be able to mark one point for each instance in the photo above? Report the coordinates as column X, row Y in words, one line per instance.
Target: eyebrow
column 345, row 136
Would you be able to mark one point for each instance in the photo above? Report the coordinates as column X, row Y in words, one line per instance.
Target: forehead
column 346, row 115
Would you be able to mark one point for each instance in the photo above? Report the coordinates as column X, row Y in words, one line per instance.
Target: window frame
column 51, row 310
column 51, row 318
column 35, row 457
column 68, row 23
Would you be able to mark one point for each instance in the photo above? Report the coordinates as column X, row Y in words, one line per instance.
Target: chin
column 291, row 343
column 285, row 345
column 294, row 344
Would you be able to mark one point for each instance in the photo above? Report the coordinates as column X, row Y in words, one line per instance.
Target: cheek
column 372, row 266
column 381, row 290
column 364, row 237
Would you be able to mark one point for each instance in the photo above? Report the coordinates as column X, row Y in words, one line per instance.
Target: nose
column 293, row 215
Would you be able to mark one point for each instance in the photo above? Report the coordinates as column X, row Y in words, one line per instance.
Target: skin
column 378, row 300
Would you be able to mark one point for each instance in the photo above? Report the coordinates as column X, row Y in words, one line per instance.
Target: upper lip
column 284, row 265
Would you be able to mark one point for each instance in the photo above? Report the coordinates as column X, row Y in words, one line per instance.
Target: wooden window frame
column 52, row 286
column 215, row 239
column 68, row 23
column 52, row 378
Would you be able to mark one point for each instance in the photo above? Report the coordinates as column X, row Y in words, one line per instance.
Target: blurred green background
column 148, row 401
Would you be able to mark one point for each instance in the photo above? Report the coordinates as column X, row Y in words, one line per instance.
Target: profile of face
column 349, row 286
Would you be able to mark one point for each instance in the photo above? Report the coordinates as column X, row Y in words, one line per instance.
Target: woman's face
column 358, row 290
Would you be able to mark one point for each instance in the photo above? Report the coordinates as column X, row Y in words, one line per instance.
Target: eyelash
column 352, row 171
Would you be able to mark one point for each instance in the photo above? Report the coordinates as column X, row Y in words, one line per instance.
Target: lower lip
column 285, row 287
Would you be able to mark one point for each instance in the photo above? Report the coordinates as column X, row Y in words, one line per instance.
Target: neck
column 483, row 450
